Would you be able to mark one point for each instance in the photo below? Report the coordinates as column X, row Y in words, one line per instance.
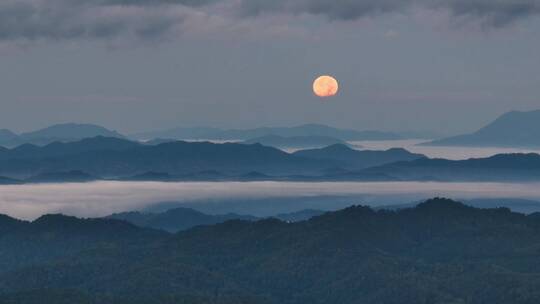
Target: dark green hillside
column 438, row 252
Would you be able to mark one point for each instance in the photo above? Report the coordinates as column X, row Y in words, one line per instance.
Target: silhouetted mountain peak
column 101, row 139
column 26, row 148
column 300, row 142
column 67, row 132
column 9, row 181
column 398, row 150
column 337, row 148
column 94, row 143
column 62, row 149
column 353, row 159
column 7, row 135
column 72, row 225
column 7, row 223
column 441, row 205
column 71, row 131
column 514, row 117
column 55, row 219
column 356, row 210
column 512, row 129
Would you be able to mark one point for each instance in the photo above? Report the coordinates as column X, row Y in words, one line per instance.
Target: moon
column 325, row 86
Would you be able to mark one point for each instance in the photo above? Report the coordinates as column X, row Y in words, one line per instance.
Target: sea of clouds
column 106, row 197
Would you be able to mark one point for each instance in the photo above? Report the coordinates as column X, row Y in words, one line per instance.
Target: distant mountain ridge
column 120, row 159
column 9, row 181
column 352, row 159
column 59, row 177
column 7, row 135
column 56, row 133
column 57, row 149
column 113, row 158
column 500, row 167
column 236, row 134
column 512, row 129
column 116, row 158
column 295, row 142
column 71, row 131
column 179, row 219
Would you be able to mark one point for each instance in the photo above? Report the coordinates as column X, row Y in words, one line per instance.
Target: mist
column 106, row 197
column 453, row 153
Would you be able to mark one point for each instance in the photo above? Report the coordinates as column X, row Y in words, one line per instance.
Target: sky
column 440, row 66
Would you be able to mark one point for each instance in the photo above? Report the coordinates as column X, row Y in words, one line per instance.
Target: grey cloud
column 34, row 20
column 336, row 9
column 100, row 19
column 489, row 12
column 493, row 12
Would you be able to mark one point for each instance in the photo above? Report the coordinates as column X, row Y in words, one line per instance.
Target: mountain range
column 512, row 129
column 7, row 136
column 179, row 219
column 103, row 157
column 115, row 158
column 295, row 142
column 236, row 134
column 352, row 159
column 56, row 133
column 501, row 167
column 440, row 251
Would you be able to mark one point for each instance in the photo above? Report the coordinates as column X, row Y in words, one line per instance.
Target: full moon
column 325, row 86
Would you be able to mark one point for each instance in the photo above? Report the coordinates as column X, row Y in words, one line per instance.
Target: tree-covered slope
column 438, row 252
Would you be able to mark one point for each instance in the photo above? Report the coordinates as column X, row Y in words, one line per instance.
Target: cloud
column 333, row 9
column 34, row 20
column 495, row 13
column 106, row 197
column 150, row 20
column 489, row 12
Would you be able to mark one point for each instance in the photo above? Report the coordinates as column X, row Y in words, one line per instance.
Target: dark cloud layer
column 154, row 19
column 489, row 12
column 336, row 9
column 101, row 19
column 493, row 12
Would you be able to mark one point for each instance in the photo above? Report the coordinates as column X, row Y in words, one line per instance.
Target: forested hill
column 438, row 252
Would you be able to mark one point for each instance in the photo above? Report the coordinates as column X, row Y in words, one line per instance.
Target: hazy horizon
column 243, row 64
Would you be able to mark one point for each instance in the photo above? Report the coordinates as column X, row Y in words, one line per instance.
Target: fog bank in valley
column 105, row 197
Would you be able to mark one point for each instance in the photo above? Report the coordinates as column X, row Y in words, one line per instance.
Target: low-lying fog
column 262, row 198
column 455, row 153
